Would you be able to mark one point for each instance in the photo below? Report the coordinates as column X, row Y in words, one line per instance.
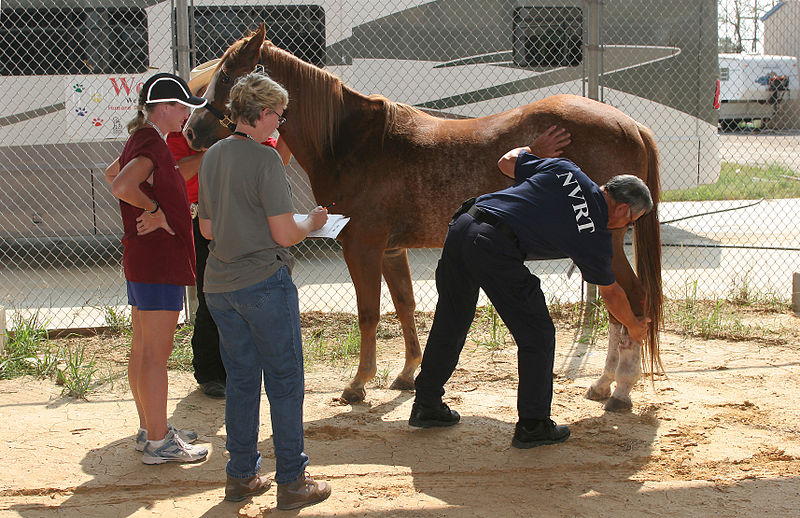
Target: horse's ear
column 252, row 46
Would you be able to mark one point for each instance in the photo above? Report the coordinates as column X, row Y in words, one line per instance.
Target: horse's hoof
column 352, row 395
column 596, row 395
column 402, row 384
column 617, row 405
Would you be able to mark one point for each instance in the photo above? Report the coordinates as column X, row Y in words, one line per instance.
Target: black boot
column 430, row 417
column 538, row 432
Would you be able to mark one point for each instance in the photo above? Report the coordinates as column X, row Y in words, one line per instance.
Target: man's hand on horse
column 551, row 143
column 638, row 329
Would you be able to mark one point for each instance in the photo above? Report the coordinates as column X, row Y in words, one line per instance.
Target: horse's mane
column 322, row 116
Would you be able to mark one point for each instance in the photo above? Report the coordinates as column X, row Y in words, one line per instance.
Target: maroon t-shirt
column 158, row 257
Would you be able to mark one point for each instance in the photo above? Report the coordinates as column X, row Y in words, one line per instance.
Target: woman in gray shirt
column 245, row 209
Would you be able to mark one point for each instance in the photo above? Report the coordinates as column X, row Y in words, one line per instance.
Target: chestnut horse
column 400, row 173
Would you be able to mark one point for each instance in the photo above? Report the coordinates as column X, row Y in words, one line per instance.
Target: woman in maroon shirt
column 158, row 259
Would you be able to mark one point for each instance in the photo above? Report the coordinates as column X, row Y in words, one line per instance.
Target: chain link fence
column 731, row 172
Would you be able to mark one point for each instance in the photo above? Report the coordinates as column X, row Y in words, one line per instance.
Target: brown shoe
column 302, row 492
column 237, row 489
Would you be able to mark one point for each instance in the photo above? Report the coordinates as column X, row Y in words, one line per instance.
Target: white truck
column 753, row 87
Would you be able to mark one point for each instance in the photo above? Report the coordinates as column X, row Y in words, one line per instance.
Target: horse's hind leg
column 628, row 367
column 398, row 278
column 364, row 262
column 622, row 362
column 600, row 390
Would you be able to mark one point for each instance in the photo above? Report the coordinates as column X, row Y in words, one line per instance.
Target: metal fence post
column 593, row 70
column 183, row 69
column 182, row 38
column 4, row 332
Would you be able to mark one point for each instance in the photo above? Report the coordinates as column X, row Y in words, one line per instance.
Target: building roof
column 772, row 11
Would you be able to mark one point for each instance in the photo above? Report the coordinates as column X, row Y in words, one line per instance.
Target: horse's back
column 605, row 141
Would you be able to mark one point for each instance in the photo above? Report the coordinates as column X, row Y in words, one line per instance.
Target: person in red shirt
column 206, row 360
column 158, row 259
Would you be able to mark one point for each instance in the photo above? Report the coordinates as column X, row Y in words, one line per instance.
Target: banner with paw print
column 99, row 107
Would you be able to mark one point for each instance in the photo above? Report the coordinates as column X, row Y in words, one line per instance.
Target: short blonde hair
column 251, row 94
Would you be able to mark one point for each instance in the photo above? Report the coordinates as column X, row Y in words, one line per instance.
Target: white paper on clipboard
column 332, row 227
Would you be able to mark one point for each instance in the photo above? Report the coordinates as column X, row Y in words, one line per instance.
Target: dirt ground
column 719, row 437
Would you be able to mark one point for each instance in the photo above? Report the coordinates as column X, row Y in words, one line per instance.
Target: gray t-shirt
column 241, row 183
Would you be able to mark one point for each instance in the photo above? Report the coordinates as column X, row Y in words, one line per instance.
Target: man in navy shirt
column 553, row 210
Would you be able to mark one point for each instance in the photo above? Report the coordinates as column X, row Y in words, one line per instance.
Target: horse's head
column 208, row 125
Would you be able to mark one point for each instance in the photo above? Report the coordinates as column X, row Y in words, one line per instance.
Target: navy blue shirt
column 556, row 211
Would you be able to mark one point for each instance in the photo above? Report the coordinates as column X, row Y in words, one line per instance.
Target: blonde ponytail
column 138, row 121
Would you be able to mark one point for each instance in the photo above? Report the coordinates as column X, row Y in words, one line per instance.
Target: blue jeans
column 259, row 328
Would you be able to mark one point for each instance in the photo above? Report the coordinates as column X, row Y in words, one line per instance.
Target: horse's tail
column 647, row 240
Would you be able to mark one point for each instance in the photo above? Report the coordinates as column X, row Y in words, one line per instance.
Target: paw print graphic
column 78, row 87
column 97, row 122
column 81, row 112
column 97, row 98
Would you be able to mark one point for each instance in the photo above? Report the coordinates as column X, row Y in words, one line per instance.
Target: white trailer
column 70, row 70
column 753, row 88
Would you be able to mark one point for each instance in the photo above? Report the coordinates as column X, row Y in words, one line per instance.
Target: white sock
column 158, row 444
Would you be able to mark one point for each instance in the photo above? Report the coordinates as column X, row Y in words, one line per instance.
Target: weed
column 117, row 320
column 348, row 346
column 695, row 318
column 381, row 378
column 496, row 329
column 742, row 293
column 594, row 321
column 181, row 356
column 77, row 373
column 27, row 351
column 388, row 327
column 45, row 363
column 314, row 347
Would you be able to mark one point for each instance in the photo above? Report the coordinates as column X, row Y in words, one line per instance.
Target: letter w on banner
column 99, row 107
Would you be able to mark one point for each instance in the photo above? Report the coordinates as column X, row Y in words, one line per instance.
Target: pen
column 327, row 207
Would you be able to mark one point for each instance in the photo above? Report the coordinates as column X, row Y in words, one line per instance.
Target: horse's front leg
column 398, row 278
column 364, row 263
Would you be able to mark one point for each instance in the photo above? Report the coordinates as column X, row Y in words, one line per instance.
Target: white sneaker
column 187, row 436
column 172, row 450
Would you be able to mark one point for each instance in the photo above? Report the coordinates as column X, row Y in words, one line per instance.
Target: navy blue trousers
column 206, row 358
column 476, row 255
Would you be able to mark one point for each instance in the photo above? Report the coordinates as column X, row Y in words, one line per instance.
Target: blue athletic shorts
column 155, row 297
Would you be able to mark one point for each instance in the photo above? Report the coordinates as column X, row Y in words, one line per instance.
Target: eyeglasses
column 281, row 118
column 631, row 219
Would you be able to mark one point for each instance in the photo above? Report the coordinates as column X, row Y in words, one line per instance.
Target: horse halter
column 223, row 118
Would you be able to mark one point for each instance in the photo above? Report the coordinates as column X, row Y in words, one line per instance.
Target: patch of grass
column 181, row 356
column 348, row 346
column 706, row 319
column 566, row 311
column 594, row 320
column 77, row 373
column 709, row 319
column 27, row 348
column 314, row 347
column 743, row 182
column 118, row 321
column 742, row 293
column 488, row 331
column 333, row 337
column 381, row 378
